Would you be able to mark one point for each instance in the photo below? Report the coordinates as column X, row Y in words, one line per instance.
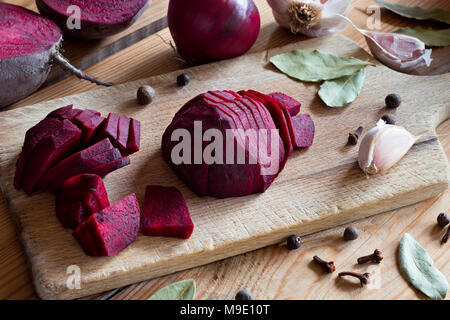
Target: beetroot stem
column 65, row 64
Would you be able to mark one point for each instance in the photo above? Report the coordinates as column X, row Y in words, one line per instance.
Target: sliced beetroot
column 134, row 137
column 72, row 165
column 63, row 113
column 110, row 128
column 99, row 19
column 79, row 198
column 33, row 136
column 123, row 133
column 304, row 130
column 49, row 151
column 89, row 121
column 109, row 167
column 111, row 230
column 29, row 45
column 166, row 213
column 292, row 105
column 86, row 166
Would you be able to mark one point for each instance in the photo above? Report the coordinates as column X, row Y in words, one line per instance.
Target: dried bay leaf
column 417, row 12
column 313, row 66
column 181, row 290
column 432, row 38
column 417, row 267
column 339, row 92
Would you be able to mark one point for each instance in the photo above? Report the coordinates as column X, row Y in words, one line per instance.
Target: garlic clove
column 383, row 146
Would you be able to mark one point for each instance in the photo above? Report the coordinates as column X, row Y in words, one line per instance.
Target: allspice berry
column 443, row 219
column 393, row 101
column 351, row 233
column 183, row 79
column 244, row 295
column 294, row 242
column 145, row 95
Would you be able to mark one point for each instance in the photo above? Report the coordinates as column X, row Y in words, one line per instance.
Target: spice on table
column 446, row 236
column 183, row 79
column 354, row 136
column 351, row 233
column 376, row 256
column 329, row 267
column 293, row 242
column 388, row 118
column 145, row 95
column 443, row 219
column 244, row 295
column 393, row 100
column 363, row 278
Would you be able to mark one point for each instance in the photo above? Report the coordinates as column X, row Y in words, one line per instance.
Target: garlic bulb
column 383, row 146
column 313, row 18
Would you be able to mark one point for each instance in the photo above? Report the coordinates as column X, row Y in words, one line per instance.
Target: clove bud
column 383, row 146
column 354, row 136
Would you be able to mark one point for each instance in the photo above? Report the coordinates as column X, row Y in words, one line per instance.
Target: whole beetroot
column 29, row 44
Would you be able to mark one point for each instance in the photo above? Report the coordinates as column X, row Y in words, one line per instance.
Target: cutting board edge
column 48, row 290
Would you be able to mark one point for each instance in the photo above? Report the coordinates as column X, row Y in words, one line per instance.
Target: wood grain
column 152, row 56
column 296, row 202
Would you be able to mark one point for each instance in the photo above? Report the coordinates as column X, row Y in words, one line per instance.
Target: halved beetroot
column 134, row 137
column 292, row 105
column 89, row 121
column 304, row 130
column 80, row 197
column 166, row 213
column 49, row 151
column 110, row 230
column 35, row 134
column 66, row 112
column 72, row 165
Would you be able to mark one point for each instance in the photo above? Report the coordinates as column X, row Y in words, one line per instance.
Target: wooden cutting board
column 320, row 188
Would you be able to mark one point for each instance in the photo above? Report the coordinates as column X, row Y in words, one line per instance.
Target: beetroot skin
column 110, row 230
column 80, row 197
column 166, row 213
column 99, row 18
column 224, row 110
column 29, row 44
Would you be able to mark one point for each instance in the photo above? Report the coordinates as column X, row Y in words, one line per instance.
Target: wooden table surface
column 272, row 272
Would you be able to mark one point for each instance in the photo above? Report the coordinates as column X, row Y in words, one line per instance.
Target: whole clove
column 446, row 236
column 376, row 257
column 363, row 278
column 388, row 118
column 354, row 136
column 329, row 267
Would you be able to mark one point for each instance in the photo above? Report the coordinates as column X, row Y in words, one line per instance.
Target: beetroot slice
column 122, row 133
column 89, row 121
column 63, row 113
column 111, row 230
column 110, row 128
column 166, row 213
column 72, row 165
column 49, row 151
column 99, row 19
column 35, row 134
column 109, row 167
column 292, row 105
column 80, row 197
column 134, row 137
column 304, row 130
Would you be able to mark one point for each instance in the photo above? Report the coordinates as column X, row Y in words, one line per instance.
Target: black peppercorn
column 388, row 118
column 351, row 233
column 393, row 101
column 183, row 79
column 294, row 242
column 443, row 219
column 244, row 295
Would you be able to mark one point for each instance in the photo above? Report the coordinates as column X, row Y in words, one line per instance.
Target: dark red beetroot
column 89, row 121
column 205, row 30
column 35, row 134
column 67, row 112
column 49, row 151
column 166, row 213
column 111, row 230
column 104, row 169
column 292, row 105
column 134, row 138
column 80, row 197
column 304, row 130
column 99, row 18
column 29, row 44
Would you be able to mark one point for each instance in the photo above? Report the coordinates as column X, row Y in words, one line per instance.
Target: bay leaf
column 316, row 65
column 417, row 12
column 181, row 290
column 338, row 92
column 432, row 38
column 417, row 267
